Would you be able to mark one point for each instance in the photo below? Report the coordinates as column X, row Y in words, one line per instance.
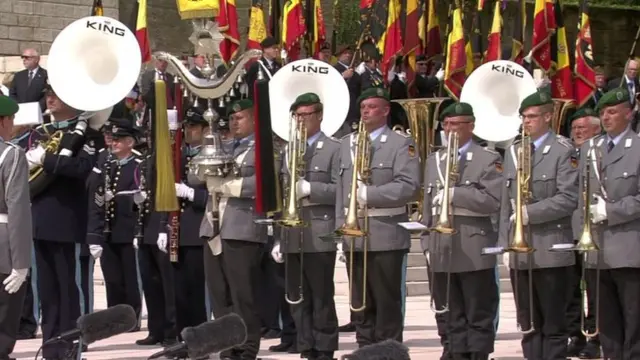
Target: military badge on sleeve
column 498, row 166
column 412, row 151
column 574, row 162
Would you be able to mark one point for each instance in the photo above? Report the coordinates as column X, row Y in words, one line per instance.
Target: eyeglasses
column 455, row 123
column 305, row 115
column 25, row 57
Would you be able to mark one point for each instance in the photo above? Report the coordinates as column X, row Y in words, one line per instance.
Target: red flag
column 140, row 13
column 390, row 45
column 228, row 26
column 293, row 28
column 584, row 72
column 456, row 60
column 494, row 48
column 257, row 26
column 561, row 79
column 544, row 23
column 433, row 45
column 411, row 38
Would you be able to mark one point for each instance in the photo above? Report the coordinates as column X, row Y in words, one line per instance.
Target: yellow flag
column 189, row 9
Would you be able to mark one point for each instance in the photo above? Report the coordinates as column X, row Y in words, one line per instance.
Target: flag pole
column 631, row 54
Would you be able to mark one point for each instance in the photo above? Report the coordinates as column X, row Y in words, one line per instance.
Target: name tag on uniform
column 320, row 144
column 627, row 143
column 469, row 156
column 383, row 138
column 546, row 149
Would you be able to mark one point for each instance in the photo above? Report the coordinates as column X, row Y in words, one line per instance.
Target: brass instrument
column 50, row 145
column 519, row 244
column 351, row 228
column 291, row 216
column 444, row 224
column 562, row 109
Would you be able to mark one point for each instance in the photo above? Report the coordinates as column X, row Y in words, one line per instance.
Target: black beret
column 268, row 42
column 194, row 116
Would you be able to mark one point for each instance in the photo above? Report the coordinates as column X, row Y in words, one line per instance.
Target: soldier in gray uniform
column 615, row 213
column 547, row 219
column 394, row 182
column 234, row 252
column 15, row 235
column 474, row 198
column 315, row 318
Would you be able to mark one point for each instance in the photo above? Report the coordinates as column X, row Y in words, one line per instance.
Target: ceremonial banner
column 494, row 47
column 390, row 44
column 139, row 27
column 275, row 19
column 293, row 28
column 316, row 33
column 433, row 44
column 584, row 73
column 411, row 37
column 519, row 28
column 97, row 9
column 193, row 9
column 475, row 46
column 228, row 25
column 456, row 59
column 257, row 26
column 560, row 74
column 544, row 24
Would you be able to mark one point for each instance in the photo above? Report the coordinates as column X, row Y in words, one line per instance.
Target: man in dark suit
column 629, row 80
column 345, row 57
column 267, row 63
column 147, row 83
column 426, row 84
column 28, row 84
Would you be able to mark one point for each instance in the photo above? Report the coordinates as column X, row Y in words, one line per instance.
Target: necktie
column 632, row 92
column 30, row 77
column 610, row 146
column 236, row 144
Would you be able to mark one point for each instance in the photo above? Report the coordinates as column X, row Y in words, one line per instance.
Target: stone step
column 421, row 288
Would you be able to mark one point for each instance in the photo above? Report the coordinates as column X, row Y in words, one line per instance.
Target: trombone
column 444, row 224
column 519, row 244
column 291, row 215
column 351, row 228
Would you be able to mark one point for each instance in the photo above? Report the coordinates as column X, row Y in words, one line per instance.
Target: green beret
column 456, row 109
column 583, row 112
column 613, row 97
column 305, row 99
column 239, row 105
column 374, row 92
column 538, row 98
column 8, row 106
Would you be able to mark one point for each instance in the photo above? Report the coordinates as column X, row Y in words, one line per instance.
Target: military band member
column 193, row 196
column 60, row 220
column 474, row 198
column 113, row 217
column 16, row 237
column 614, row 213
column 394, row 182
column 315, row 318
column 232, row 257
column 585, row 125
column 547, row 218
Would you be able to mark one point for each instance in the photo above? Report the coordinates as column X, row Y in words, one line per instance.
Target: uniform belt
column 466, row 212
column 375, row 212
column 4, row 218
column 306, row 203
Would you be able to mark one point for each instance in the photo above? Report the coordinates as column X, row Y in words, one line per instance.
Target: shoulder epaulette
column 346, row 136
column 136, row 152
column 101, row 150
column 138, row 160
column 12, row 144
column 490, row 150
column 333, row 139
column 564, row 141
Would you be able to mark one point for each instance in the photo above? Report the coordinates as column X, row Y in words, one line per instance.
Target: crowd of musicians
column 100, row 195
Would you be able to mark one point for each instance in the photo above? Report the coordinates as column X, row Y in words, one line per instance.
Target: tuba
column 93, row 64
column 293, row 79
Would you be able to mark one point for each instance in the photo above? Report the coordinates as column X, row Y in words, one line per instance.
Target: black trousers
column 189, row 288
column 273, row 306
column 85, row 281
column 619, row 312
column 441, row 319
column 382, row 317
column 231, row 278
column 549, row 339
column 156, row 274
column 473, row 304
column 59, row 297
column 315, row 318
column 120, row 271
column 283, row 310
column 28, row 322
column 10, row 311
column 574, row 304
column 352, row 314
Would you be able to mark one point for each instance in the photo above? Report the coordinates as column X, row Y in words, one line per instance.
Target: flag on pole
column 584, row 71
column 97, row 9
column 138, row 26
column 494, row 47
column 228, row 26
column 257, row 26
column 544, row 24
column 293, row 28
column 519, row 28
column 390, row 44
column 456, row 61
column 561, row 74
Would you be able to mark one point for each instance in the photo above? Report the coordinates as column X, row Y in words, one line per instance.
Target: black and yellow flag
column 97, row 9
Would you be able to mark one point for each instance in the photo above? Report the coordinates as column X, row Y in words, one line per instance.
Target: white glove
column 340, row 253
column 139, row 197
column 108, row 196
column 437, row 200
column 525, row 216
column 276, row 254
column 391, row 74
column 162, row 242
column 598, row 210
column 528, row 57
column 35, row 156
column 362, row 193
column 95, row 251
column 360, row 69
column 440, row 74
column 303, row 188
column 283, row 54
column 14, row 281
column 184, row 191
column 135, row 243
column 426, row 255
column 505, row 259
column 403, row 77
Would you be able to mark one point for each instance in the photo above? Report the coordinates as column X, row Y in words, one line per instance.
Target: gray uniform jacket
column 318, row 209
column 618, row 236
column 237, row 219
column 16, row 236
column 554, row 190
column 394, row 182
column 476, row 197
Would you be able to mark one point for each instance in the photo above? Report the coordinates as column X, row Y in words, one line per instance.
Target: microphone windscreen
column 107, row 323
column 215, row 336
column 386, row 350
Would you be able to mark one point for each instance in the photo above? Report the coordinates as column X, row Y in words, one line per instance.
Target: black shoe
column 293, row 349
column 271, row 334
column 6, row 357
column 479, row 356
column 350, row 327
column 282, row 347
column 149, row 341
column 575, row 346
column 25, row 335
column 135, row 329
column 169, row 342
column 590, row 351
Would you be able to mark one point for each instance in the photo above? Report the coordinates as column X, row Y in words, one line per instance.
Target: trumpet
column 519, row 244
column 351, row 228
column 291, row 216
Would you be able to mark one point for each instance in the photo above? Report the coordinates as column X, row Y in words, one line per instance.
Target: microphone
column 386, row 350
column 100, row 325
column 208, row 338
